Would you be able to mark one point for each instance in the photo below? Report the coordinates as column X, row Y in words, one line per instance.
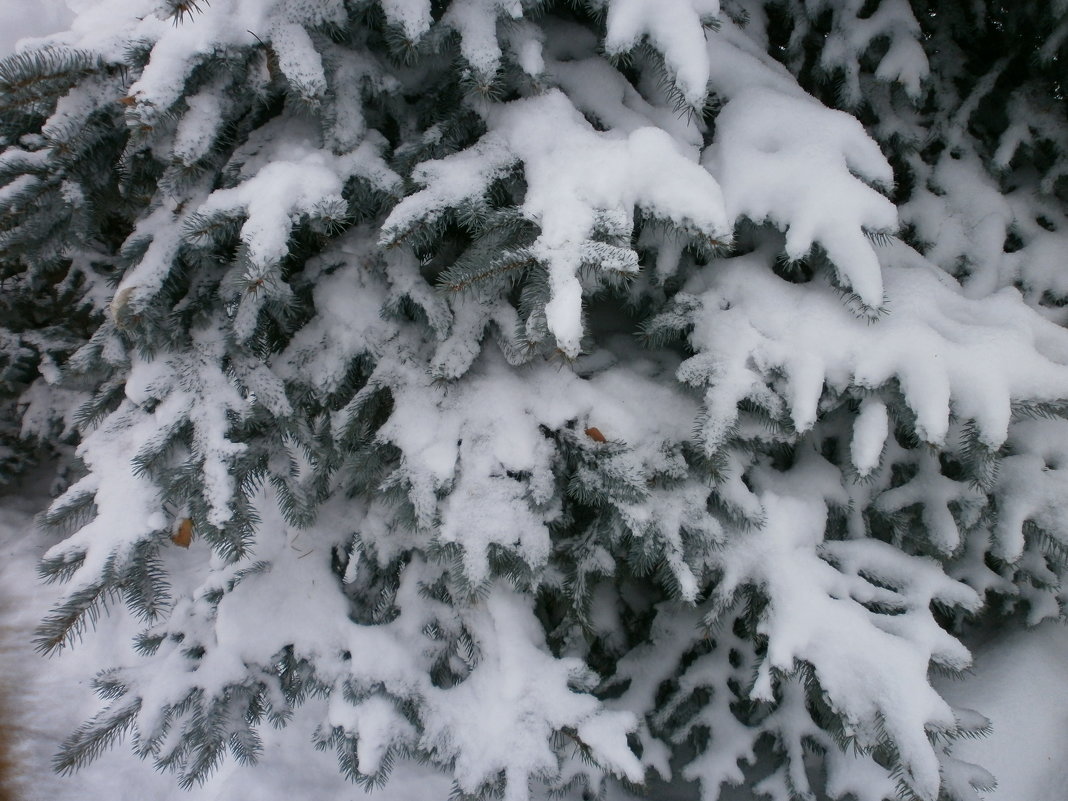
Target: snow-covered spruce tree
column 47, row 279
column 558, row 393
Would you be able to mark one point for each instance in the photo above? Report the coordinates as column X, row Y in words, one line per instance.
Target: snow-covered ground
column 1019, row 682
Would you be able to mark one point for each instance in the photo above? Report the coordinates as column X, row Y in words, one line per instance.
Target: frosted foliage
column 485, row 459
column 869, row 436
column 177, row 49
column 947, row 353
column 449, row 182
column 298, row 59
column 352, row 73
column 964, row 220
column 558, row 394
column 347, row 324
column 738, row 60
column 290, row 178
column 600, row 92
column 476, row 22
column 199, row 126
column 525, row 41
column 887, row 652
column 483, row 725
column 411, row 16
column 938, row 495
column 1031, row 485
column 574, row 175
column 1033, row 125
column 129, row 507
column 674, row 28
column 145, row 280
column 803, row 179
column 892, row 21
column 517, row 678
column 811, row 584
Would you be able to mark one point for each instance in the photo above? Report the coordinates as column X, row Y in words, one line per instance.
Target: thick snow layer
column 443, row 446
column 947, row 352
column 289, row 177
column 200, row 125
column 575, row 175
column 675, row 28
column 794, row 162
column 411, row 16
column 878, row 672
column 1032, row 485
column 506, row 692
column 476, row 22
column 106, row 26
column 869, row 436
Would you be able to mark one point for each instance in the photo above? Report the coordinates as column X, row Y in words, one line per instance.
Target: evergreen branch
column 68, row 621
column 91, row 739
column 30, row 78
column 181, row 10
column 460, row 279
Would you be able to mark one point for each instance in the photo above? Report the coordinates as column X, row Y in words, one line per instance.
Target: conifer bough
column 561, row 394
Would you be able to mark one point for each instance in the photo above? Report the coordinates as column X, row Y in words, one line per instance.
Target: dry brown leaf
column 184, row 535
column 595, row 434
